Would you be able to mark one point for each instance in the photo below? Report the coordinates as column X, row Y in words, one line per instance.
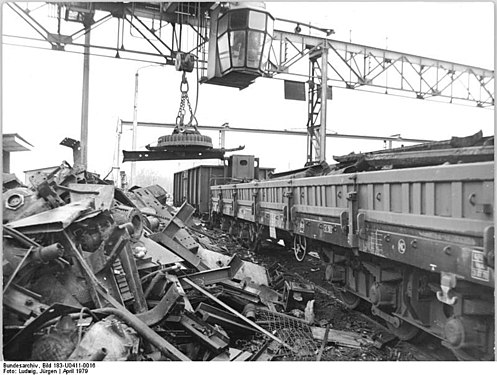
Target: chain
column 180, row 118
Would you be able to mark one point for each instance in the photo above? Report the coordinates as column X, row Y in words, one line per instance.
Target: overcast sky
column 42, row 90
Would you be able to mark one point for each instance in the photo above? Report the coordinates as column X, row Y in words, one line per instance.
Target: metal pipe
column 48, row 253
column 146, row 332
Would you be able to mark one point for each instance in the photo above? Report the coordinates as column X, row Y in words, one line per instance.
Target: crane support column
column 318, row 94
column 324, row 96
column 85, row 101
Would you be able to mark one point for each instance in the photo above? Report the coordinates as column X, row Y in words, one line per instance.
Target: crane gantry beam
column 355, row 66
column 351, row 65
column 369, row 68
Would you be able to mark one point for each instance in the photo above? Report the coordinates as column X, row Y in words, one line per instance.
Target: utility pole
column 134, row 134
column 117, row 167
column 135, row 128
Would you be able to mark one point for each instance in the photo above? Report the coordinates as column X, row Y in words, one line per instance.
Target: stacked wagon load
column 474, row 148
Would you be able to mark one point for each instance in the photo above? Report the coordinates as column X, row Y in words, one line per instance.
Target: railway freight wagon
column 193, row 184
column 417, row 244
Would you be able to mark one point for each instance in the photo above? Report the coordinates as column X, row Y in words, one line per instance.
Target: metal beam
column 277, row 132
column 172, row 155
column 169, row 59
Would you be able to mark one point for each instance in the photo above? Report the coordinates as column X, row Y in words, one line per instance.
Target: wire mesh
column 295, row 333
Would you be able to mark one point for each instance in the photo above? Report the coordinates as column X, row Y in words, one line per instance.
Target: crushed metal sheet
column 158, row 253
column 102, row 194
column 54, row 220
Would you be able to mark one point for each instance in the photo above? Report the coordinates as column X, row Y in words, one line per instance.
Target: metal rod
column 19, row 236
column 19, row 266
column 278, row 132
column 323, row 344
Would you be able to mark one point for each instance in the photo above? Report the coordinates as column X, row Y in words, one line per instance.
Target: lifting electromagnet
column 185, row 142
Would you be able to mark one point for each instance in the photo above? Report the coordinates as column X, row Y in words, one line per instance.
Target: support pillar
column 85, row 100
column 317, row 106
column 324, row 100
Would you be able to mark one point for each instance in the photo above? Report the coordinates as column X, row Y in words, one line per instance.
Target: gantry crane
column 231, row 44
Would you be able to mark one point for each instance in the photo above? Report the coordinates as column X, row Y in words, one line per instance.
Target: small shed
column 12, row 143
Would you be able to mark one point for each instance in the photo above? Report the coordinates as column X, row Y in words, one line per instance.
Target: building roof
column 14, row 142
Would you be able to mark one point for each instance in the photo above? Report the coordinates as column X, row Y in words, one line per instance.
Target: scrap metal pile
column 92, row 272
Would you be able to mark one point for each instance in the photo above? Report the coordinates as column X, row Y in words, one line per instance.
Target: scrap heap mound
column 93, row 272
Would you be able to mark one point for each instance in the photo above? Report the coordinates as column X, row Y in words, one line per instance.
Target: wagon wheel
column 471, row 355
column 299, row 247
column 405, row 331
column 349, row 299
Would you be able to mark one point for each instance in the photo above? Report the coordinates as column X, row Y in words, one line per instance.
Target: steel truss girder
column 372, row 69
column 32, row 22
column 149, row 36
column 136, row 14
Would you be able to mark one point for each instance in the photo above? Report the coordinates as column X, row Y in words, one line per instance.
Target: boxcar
column 193, row 185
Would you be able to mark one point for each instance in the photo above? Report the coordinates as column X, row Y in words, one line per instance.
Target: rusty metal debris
column 93, row 272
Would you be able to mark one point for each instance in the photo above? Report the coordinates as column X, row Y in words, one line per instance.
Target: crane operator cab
column 242, row 34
